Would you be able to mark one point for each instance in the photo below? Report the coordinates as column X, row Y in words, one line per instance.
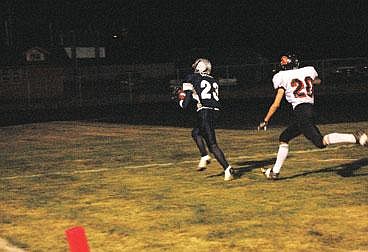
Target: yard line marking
column 182, row 162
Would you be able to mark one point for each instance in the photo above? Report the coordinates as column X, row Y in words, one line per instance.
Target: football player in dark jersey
column 202, row 88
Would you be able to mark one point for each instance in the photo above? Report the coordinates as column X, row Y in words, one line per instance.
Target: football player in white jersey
column 203, row 89
column 297, row 86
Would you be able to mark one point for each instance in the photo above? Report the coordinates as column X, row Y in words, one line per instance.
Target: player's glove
column 262, row 125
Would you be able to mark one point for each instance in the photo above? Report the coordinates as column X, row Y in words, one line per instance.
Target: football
column 181, row 95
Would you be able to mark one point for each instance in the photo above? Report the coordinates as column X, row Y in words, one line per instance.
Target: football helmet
column 289, row 62
column 202, row 65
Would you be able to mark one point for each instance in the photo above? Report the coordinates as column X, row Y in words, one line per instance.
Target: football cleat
column 229, row 173
column 361, row 138
column 203, row 163
column 269, row 174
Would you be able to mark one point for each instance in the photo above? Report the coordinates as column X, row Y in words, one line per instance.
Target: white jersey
column 297, row 84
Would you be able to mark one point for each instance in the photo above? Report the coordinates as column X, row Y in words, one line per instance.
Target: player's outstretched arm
column 273, row 108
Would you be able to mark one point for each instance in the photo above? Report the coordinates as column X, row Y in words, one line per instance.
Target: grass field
column 135, row 188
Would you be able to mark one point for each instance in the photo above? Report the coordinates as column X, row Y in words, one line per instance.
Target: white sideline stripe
column 183, row 162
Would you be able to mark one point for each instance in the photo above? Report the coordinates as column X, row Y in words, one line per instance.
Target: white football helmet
column 202, row 65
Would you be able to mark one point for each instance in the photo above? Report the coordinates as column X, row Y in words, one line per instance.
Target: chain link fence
column 93, row 85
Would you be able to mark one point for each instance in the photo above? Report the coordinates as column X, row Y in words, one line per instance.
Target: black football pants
column 303, row 123
column 205, row 129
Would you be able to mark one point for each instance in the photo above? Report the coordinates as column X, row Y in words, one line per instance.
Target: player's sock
column 335, row 138
column 281, row 156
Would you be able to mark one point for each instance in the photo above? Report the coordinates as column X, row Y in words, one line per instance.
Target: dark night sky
column 167, row 29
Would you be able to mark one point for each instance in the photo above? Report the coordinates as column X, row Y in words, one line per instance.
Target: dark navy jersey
column 204, row 89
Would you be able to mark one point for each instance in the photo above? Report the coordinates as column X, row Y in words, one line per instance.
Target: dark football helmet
column 289, row 62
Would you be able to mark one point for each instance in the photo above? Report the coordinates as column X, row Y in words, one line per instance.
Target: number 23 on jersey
column 209, row 90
